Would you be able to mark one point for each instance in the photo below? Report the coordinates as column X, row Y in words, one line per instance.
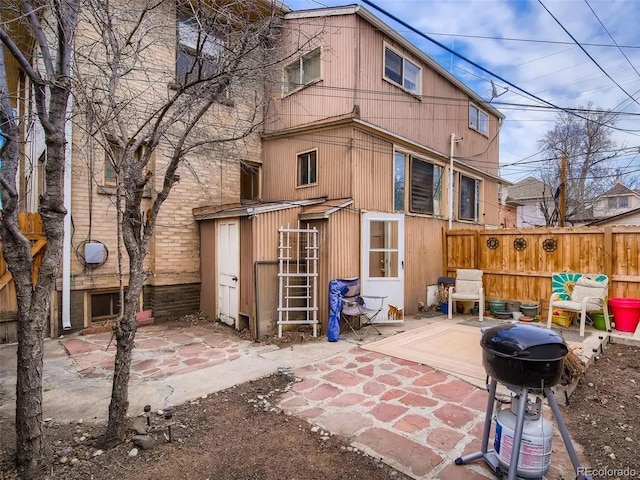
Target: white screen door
column 382, row 258
column 228, row 271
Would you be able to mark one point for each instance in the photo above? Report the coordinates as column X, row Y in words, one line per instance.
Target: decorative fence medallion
column 493, row 243
column 519, row 244
column 550, row 245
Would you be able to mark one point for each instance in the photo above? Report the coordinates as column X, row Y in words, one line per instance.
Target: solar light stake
column 147, row 409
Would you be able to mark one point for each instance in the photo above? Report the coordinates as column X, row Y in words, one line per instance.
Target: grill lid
column 527, row 342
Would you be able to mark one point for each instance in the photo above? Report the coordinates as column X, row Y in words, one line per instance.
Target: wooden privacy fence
column 518, row 263
column 31, row 225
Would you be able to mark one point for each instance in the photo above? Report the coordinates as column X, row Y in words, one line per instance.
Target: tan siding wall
column 209, row 279
column 372, row 173
column 344, row 244
column 315, row 102
column 334, row 174
column 423, row 258
column 489, row 205
column 247, row 285
column 352, row 66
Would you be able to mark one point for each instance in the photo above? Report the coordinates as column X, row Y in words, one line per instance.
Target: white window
column 303, row 71
column 401, row 71
column 307, row 168
column 199, row 49
column 478, row 120
column 468, row 198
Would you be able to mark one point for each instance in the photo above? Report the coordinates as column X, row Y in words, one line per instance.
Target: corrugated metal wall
column 246, row 303
column 280, row 165
column 208, row 277
column 352, row 65
column 372, row 172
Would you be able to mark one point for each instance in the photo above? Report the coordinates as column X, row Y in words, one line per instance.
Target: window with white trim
column 307, row 168
column 468, row 198
column 618, row 202
column 401, row 71
column 478, row 119
column 303, row 71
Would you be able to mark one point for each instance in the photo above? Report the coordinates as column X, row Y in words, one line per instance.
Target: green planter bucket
column 497, row 306
column 598, row 320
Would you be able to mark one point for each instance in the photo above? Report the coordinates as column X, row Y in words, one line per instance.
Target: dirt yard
column 239, row 434
column 604, row 414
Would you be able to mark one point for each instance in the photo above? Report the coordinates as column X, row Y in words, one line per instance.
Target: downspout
column 66, row 242
column 452, row 146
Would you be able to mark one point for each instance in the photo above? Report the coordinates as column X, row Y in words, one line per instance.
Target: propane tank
column 535, row 448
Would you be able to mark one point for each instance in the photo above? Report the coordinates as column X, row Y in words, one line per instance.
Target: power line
column 612, row 39
column 587, row 53
column 480, row 67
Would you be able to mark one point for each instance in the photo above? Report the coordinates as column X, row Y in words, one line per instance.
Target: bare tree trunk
column 125, row 332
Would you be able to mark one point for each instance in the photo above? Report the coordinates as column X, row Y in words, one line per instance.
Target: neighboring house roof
column 530, row 188
column 391, row 33
column 619, row 216
column 235, row 210
column 619, row 189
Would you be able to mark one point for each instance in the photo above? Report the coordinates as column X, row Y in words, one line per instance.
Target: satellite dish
column 494, row 91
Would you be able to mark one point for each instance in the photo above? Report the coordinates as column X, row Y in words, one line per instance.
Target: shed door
column 382, row 258
column 228, row 271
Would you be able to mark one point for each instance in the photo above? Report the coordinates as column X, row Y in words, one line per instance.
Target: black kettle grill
column 525, row 358
column 523, row 355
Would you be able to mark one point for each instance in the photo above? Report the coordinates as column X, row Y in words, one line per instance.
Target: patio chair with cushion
column 468, row 287
column 588, row 295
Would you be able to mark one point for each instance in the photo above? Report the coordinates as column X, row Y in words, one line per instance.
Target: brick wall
column 170, row 302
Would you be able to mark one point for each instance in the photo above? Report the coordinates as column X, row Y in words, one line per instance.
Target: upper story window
column 303, row 71
column 307, row 168
column 198, row 50
column 401, row 71
column 469, row 198
column 478, row 119
column 618, row 202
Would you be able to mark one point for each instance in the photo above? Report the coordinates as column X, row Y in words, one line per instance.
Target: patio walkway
column 415, row 418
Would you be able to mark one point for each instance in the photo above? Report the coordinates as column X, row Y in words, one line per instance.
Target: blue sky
column 521, row 42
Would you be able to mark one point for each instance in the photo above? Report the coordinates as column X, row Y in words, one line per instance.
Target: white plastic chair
column 588, row 296
column 468, row 287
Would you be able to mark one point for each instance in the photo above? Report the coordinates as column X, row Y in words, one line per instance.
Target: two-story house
column 373, row 144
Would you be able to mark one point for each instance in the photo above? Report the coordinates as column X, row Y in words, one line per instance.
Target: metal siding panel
column 344, row 244
column 280, row 166
column 208, row 280
column 372, row 173
column 423, row 258
column 337, row 35
column 247, row 302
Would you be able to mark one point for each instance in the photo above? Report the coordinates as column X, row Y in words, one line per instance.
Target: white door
column 228, row 271
column 382, row 259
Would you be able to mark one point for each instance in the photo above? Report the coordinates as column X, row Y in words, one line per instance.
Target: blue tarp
column 337, row 288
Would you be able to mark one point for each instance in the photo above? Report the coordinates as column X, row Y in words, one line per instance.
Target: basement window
column 104, row 305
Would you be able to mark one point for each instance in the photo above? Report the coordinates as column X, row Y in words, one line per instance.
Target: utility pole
column 563, row 191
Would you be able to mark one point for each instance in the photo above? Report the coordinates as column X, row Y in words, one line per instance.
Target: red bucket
column 626, row 313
